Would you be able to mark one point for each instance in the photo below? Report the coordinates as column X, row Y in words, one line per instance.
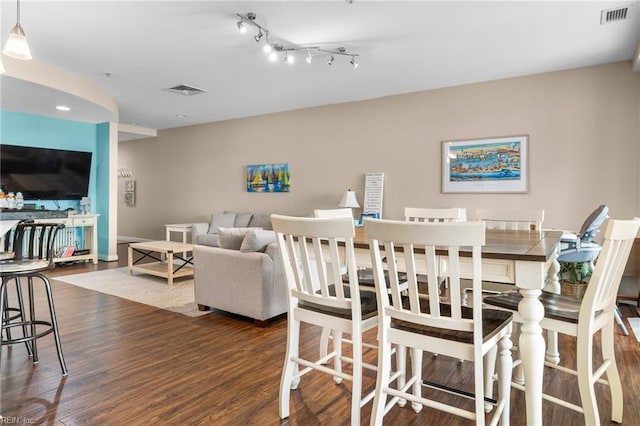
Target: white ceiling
column 403, row 46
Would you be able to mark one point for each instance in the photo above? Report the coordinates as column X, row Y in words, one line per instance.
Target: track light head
column 258, row 36
column 241, row 27
column 331, row 59
column 353, row 62
column 289, row 59
column 309, row 57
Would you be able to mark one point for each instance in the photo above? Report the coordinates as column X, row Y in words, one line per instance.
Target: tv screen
column 44, row 174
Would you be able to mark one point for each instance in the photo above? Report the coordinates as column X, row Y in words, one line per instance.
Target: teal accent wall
column 101, row 200
column 46, row 132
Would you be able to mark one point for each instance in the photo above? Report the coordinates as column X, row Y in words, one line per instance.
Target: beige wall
column 584, row 145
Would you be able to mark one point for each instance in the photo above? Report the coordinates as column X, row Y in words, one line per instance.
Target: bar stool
column 33, row 254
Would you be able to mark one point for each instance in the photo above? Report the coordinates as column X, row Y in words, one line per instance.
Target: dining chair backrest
column 516, row 220
column 332, row 213
column 312, row 261
column 29, row 240
column 607, row 274
column 418, row 214
column 419, row 242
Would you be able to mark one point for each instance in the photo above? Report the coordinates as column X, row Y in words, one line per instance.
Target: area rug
column 141, row 288
column 635, row 326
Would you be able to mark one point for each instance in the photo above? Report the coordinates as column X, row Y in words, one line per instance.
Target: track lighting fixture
column 273, row 49
column 17, row 46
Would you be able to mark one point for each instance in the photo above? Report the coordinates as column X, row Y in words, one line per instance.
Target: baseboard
column 124, row 239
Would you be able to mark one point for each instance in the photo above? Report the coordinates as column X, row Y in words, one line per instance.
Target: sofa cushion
column 231, row 238
column 261, row 220
column 224, row 220
column 208, row 240
column 242, row 220
column 257, row 240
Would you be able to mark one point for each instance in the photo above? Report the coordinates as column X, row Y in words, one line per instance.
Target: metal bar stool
column 33, row 254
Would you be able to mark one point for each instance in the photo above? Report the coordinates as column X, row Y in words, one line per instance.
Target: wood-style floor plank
column 137, row 365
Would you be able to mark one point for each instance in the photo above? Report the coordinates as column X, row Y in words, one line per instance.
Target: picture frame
column 130, row 198
column 268, row 177
column 486, row 165
column 129, row 185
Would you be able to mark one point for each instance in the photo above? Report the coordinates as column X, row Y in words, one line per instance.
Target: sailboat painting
column 268, row 177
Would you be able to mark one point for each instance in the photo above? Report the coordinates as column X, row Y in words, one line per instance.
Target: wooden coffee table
column 167, row 268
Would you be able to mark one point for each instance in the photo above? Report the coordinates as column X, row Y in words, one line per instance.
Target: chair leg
column 489, row 361
column 324, row 342
column 382, row 380
column 584, row 348
column 416, row 373
column 287, row 382
column 32, row 318
column 615, row 386
column 505, row 370
column 54, row 324
column 21, row 307
column 401, row 366
column 356, row 377
column 337, row 361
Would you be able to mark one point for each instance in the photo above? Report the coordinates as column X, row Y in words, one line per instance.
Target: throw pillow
column 218, row 220
column 257, row 240
column 231, row 238
column 261, row 220
column 242, row 220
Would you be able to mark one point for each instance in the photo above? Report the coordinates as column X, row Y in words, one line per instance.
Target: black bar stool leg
column 54, row 324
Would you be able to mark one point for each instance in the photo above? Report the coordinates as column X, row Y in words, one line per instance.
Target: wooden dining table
column 528, row 260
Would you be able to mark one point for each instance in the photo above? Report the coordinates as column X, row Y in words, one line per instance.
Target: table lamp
column 349, row 200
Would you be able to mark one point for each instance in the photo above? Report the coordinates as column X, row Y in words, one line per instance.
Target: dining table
column 528, row 260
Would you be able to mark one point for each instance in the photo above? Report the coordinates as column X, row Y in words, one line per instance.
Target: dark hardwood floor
column 132, row 364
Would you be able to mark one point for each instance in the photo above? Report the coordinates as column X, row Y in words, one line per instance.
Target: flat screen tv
column 43, row 173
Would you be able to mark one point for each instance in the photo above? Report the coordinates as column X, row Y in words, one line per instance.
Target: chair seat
column 493, row 321
column 14, row 266
column 556, row 306
column 368, row 305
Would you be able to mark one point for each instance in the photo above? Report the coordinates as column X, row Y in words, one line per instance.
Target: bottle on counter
column 3, row 200
column 19, row 201
column 11, row 200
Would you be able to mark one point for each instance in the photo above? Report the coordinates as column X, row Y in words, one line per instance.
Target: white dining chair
column 317, row 296
column 584, row 319
column 425, row 324
column 515, row 220
column 418, row 214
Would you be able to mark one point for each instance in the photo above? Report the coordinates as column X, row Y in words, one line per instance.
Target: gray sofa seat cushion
column 221, row 220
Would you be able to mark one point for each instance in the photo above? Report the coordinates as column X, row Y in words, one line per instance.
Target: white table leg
column 553, row 285
column 530, row 280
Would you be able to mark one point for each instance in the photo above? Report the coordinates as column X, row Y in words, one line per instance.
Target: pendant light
column 17, row 46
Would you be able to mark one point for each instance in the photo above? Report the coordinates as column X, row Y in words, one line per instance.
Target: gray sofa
column 206, row 233
column 237, row 269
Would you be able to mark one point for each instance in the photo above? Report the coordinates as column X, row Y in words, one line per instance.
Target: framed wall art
column 268, row 177
column 486, row 165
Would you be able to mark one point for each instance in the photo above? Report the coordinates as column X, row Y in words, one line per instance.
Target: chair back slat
column 418, row 214
column 604, row 283
column 310, row 249
column 514, row 220
column 422, row 242
column 31, row 241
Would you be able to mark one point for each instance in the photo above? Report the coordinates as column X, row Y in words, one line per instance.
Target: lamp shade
column 349, row 200
column 16, row 46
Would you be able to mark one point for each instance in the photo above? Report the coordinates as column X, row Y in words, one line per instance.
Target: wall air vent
column 185, row 90
column 608, row 16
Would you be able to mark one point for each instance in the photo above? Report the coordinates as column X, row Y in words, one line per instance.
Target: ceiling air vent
column 608, row 16
column 185, row 90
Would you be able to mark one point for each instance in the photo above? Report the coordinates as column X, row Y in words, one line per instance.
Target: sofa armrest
column 197, row 229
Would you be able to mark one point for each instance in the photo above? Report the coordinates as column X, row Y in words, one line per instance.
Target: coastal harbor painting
column 268, row 177
column 485, row 165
